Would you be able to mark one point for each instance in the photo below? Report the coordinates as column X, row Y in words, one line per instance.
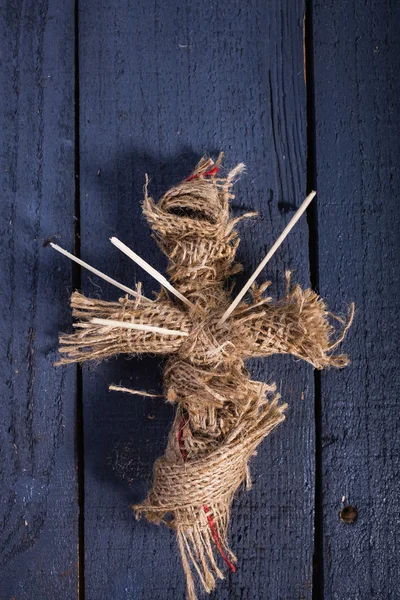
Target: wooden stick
column 153, row 272
column 98, row 273
column 118, row 388
column 138, row 326
column 272, row 251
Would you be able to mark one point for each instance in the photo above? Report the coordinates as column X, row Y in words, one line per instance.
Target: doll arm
column 299, row 324
column 93, row 341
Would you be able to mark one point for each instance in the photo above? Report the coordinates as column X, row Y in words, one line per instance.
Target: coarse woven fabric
column 222, row 415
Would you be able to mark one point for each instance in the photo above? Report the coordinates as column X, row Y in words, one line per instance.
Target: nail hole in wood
column 348, row 514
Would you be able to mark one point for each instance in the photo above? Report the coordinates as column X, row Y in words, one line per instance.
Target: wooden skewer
column 119, row 388
column 153, row 272
column 272, row 251
column 138, row 326
column 98, row 273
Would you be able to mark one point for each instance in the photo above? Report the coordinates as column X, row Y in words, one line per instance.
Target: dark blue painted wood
column 38, row 491
column 160, row 84
column 357, row 106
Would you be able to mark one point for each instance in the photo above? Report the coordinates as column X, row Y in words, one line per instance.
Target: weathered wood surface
column 161, row 84
column 357, row 107
column 38, row 485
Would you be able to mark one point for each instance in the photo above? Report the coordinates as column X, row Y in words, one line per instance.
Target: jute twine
column 221, row 415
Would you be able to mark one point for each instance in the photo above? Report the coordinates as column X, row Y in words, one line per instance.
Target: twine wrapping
column 221, row 414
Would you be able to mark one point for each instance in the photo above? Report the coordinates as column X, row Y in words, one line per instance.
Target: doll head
column 192, row 226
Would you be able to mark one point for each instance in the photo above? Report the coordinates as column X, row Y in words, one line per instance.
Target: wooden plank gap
column 312, row 221
column 76, row 280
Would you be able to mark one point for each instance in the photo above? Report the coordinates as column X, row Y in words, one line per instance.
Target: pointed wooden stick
column 274, row 248
column 118, row 388
column 138, row 326
column 98, row 273
column 153, row 272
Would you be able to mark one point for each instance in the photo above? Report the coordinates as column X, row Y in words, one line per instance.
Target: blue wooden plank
column 160, row 84
column 38, row 491
column 357, row 102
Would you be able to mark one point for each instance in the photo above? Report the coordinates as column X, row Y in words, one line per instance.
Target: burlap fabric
column 221, row 414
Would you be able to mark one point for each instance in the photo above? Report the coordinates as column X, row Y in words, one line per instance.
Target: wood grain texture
column 161, row 84
column 357, row 102
column 38, row 492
